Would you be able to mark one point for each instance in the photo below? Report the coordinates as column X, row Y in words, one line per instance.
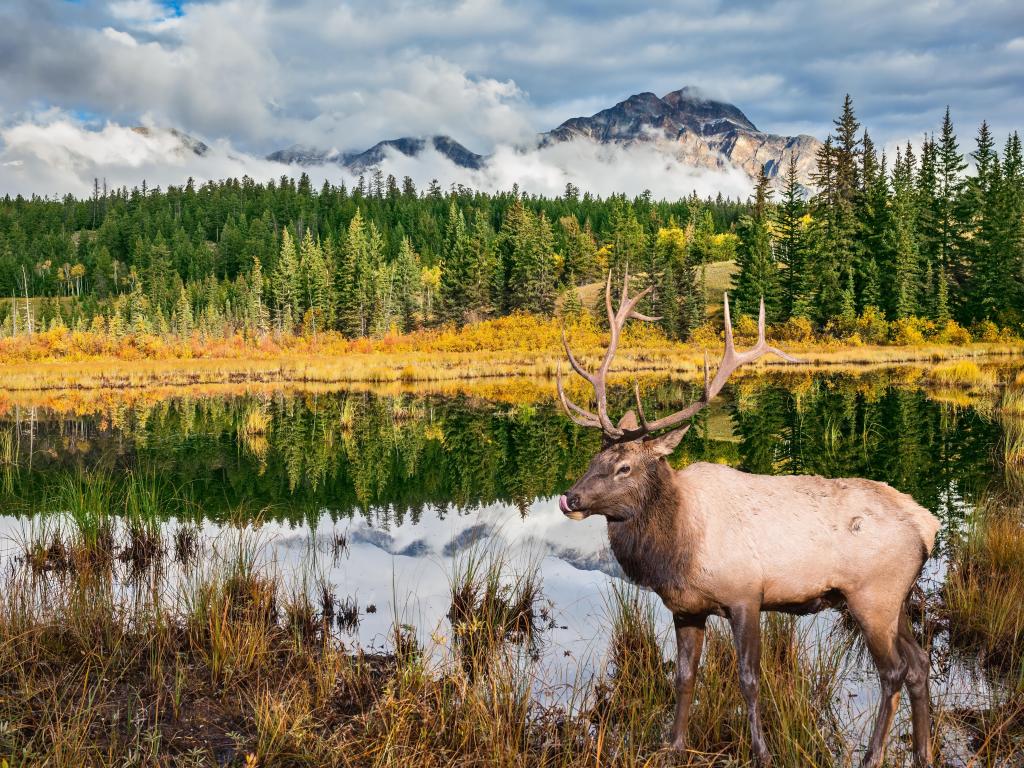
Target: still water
column 382, row 497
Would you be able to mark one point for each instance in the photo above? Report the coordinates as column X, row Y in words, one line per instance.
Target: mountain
column 375, row 155
column 696, row 130
column 684, row 124
column 184, row 142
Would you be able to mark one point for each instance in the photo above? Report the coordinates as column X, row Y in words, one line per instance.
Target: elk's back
column 795, row 538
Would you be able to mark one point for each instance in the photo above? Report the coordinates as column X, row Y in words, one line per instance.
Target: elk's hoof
column 677, row 744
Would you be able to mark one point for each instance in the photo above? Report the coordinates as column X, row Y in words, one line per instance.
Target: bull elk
column 711, row 540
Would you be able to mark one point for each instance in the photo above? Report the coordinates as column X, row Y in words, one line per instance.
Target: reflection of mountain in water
column 588, row 551
column 392, row 459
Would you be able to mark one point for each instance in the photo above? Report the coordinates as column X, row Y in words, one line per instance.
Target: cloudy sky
column 250, row 76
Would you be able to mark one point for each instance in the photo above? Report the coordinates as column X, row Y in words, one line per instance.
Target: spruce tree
column 679, row 300
column 790, row 244
column 1010, row 203
column 287, row 283
column 901, row 240
column 758, row 273
column 407, row 273
column 351, row 269
column 949, row 167
column 982, row 223
column 257, row 311
column 319, row 288
column 456, row 267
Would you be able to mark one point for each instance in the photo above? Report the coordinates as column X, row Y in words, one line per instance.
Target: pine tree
column 351, row 311
column 572, row 307
column 678, row 301
column 525, row 245
column 407, row 275
column 901, row 240
column 873, row 255
column 257, row 311
column 949, row 167
column 480, row 295
column 982, row 221
column 183, row 322
column 375, row 285
column 287, row 283
column 319, row 288
column 926, row 205
column 1010, row 243
column 456, row 268
column 838, row 204
column 578, row 248
column 758, row 273
column 790, row 244
column 629, row 241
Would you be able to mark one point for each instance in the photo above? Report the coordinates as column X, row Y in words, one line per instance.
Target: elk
column 712, row 540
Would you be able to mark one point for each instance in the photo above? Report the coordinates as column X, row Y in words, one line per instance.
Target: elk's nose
column 572, row 501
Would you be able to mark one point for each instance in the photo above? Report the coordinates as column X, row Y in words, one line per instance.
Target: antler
column 731, row 360
column 616, row 321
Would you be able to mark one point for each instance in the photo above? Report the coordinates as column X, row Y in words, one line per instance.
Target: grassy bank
column 122, row 643
column 507, row 347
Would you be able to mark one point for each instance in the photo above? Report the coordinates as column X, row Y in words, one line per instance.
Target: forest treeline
column 922, row 243
column 237, row 255
column 916, row 249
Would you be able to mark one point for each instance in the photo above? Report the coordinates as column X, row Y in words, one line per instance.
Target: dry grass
column 230, row 668
column 962, row 373
column 984, row 592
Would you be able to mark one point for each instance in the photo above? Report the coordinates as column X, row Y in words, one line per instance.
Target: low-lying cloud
column 60, row 155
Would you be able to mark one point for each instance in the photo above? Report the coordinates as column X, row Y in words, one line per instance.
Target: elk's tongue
column 563, row 504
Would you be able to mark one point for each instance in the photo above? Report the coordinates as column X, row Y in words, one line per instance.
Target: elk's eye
column 623, row 470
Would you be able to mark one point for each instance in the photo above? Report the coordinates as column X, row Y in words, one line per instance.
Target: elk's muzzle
column 570, row 506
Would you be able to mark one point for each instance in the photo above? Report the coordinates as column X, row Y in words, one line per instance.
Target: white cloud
column 265, row 74
column 600, row 169
column 58, row 155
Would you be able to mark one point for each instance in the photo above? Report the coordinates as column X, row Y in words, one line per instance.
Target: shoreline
column 417, row 368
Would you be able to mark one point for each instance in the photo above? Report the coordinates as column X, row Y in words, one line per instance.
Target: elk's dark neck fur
column 650, row 544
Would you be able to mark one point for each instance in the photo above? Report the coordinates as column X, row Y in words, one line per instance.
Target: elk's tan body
column 713, row 540
column 790, row 540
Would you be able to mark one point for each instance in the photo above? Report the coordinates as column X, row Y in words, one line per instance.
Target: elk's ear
column 665, row 444
column 628, row 420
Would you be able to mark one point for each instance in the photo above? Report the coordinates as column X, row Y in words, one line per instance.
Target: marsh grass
column 492, row 604
column 984, row 592
column 962, row 373
column 221, row 660
column 801, row 671
column 513, row 346
column 1011, row 441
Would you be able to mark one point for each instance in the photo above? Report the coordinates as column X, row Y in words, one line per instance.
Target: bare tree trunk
column 28, row 304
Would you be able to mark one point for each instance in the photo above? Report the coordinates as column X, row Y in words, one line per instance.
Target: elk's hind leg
column 918, row 668
column 745, row 621
column 879, row 618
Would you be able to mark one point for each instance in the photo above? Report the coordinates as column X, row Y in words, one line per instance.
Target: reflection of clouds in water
column 405, row 570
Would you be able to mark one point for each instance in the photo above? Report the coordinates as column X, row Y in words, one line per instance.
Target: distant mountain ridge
column 684, row 124
column 375, row 155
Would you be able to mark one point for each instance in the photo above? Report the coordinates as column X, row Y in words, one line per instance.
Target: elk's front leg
column 745, row 621
column 689, row 642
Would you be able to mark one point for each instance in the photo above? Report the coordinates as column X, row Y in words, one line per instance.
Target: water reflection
column 295, row 458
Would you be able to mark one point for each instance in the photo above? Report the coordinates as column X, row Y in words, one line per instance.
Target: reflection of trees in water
column 938, row 454
column 391, row 457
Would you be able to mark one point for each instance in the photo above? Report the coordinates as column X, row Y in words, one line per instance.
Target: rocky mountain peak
column 686, row 124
